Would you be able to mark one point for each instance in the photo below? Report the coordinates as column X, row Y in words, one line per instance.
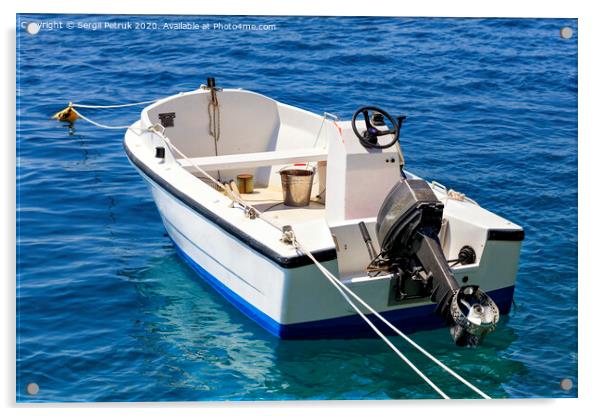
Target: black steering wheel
column 369, row 137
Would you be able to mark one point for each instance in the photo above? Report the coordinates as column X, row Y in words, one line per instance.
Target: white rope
column 414, row 344
column 236, row 198
column 137, row 131
column 340, row 284
column 102, row 126
column 332, row 279
column 319, row 131
column 451, row 194
column 72, row 106
column 115, row 105
column 194, row 165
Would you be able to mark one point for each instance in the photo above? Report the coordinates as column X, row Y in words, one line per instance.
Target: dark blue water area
column 107, row 311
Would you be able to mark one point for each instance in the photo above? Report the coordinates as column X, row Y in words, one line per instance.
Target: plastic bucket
column 296, row 186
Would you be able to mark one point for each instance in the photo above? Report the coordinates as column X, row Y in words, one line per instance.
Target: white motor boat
column 242, row 181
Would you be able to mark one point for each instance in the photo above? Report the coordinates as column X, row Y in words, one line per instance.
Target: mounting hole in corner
column 566, row 384
column 32, row 28
column 566, row 32
column 33, row 389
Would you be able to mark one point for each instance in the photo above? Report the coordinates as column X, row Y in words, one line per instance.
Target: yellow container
column 245, row 183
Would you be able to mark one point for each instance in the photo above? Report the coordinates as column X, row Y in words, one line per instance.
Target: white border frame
column 589, row 197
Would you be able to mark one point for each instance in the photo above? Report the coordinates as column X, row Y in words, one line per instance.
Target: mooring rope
column 232, row 195
column 333, row 280
column 201, row 170
column 338, row 285
column 72, row 107
column 102, row 126
column 114, row 105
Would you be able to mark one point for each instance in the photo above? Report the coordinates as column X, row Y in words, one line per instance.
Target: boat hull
column 289, row 302
column 407, row 320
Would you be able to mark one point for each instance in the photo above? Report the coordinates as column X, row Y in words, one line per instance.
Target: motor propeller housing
column 475, row 315
column 407, row 227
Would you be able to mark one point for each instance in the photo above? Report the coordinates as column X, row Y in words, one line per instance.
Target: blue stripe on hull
column 408, row 320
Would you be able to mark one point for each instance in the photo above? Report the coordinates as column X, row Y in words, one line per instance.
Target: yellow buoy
column 68, row 115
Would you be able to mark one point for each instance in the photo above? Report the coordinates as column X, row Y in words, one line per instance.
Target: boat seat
column 255, row 160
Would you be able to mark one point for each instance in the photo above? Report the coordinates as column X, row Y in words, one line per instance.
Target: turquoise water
column 106, row 310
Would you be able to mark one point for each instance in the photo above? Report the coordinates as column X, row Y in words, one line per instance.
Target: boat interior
column 258, row 136
column 255, row 136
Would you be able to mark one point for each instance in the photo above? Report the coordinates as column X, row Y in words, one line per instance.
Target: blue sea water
column 107, row 311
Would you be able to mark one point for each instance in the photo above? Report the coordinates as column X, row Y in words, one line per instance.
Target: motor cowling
column 407, row 227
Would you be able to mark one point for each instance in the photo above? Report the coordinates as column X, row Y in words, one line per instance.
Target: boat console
column 359, row 175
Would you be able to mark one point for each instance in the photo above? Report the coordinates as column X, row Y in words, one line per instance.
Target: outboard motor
column 407, row 227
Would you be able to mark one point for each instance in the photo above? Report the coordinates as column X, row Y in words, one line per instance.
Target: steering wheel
column 369, row 137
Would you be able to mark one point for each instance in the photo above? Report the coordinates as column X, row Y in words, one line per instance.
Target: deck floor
column 269, row 201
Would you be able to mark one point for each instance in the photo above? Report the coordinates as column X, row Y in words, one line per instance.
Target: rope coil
column 214, row 118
